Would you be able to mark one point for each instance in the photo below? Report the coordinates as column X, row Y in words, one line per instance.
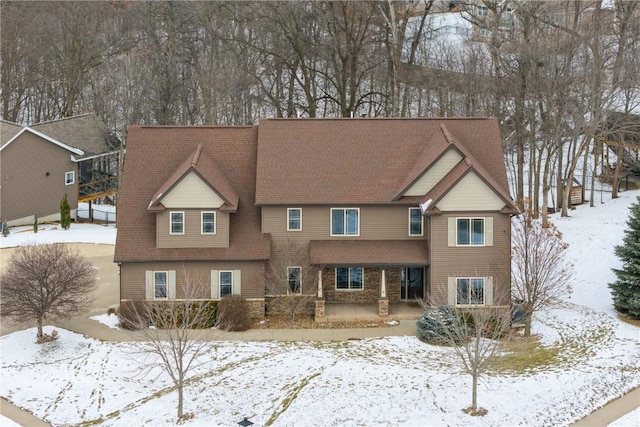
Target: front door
column 411, row 283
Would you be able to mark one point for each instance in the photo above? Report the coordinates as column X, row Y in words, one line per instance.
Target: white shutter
column 451, row 229
column 488, row 231
column 237, row 283
column 488, row 290
column 149, row 288
column 215, row 285
column 171, row 284
column 452, row 290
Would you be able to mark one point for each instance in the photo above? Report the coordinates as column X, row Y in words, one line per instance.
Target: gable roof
column 156, row 156
column 201, row 163
column 43, row 136
column 368, row 160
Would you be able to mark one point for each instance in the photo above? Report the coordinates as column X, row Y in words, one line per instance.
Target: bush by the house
column 439, row 325
column 234, row 313
column 132, row 315
column 65, row 213
column 137, row 314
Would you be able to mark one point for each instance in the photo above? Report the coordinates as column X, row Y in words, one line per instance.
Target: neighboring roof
column 85, row 132
column 369, row 252
column 201, row 163
column 7, row 131
column 154, row 154
column 43, row 136
column 367, row 160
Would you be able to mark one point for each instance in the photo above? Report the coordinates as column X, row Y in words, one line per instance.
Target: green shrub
column 35, row 224
column 234, row 313
column 65, row 213
column 441, row 325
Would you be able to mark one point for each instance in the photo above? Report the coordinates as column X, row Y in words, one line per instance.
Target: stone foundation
column 319, row 310
column 257, row 309
column 371, row 291
column 282, row 305
column 383, row 307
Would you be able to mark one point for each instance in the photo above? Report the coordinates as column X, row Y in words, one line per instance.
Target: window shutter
column 488, row 231
column 452, row 291
column 171, row 285
column 488, row 290
column 237, row 283
column 452, row 231
column 215, row 286
column 149, row 288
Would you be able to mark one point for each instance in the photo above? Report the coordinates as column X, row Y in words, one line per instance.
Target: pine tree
column 626, row 290
column 65, row 213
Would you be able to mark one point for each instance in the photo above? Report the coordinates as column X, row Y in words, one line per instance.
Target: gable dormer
column 193, row 206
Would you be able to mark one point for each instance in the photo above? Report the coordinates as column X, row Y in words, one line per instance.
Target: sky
column 385, row 381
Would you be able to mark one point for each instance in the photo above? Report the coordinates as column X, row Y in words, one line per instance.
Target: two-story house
column 384, row 210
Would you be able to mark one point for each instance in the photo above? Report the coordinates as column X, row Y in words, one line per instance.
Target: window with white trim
column 294, row 219
column 470, row 232
column 177, row 223
column 345, row 221
column 470, row 291
column 415, row 222
column 226, row 283
column 482, row 10
column 160, row 290
column 208, row 223
column 349, row 278
column 69, row 177
column 294, row 279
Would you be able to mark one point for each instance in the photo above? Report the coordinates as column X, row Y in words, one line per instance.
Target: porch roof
column 369, row 252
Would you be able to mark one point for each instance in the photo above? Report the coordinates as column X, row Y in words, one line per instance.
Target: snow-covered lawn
column 591, row 358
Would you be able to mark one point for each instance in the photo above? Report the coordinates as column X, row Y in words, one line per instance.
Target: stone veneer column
column 319, row 312
column 383, row 307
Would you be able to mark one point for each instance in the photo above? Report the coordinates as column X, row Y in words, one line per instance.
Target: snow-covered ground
column 385, row 381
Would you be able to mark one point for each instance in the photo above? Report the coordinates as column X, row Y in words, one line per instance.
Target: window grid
column 294, row 279
column 470, row 290
column 177, row 223
column 415, row 222
column 294, row 219
column 226, row 283
column 470, row 232
column 208, row 223
column 160, row 284
column 349, row 278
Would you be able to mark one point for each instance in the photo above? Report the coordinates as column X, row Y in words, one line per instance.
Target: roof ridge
column 62, row 119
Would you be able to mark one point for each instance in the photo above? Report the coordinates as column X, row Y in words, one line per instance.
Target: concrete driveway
column 107, row 293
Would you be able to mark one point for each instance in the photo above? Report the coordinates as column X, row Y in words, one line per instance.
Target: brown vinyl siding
column 192, row 237
column 26, row 189
column 376, row 223
column 132, row 277
column 470, row 261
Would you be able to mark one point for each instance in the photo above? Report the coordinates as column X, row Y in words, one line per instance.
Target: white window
column 470, row 291
column 349, row 278
column 294, row 219
column 160, row 284
column 485, row 32
column 69, row 178
column 345, row 222
column 225, row 282
column 470, row 232
column 482, row 10
column 294, row 279
column 208, row 223
column 415, row 222
column 177, row 223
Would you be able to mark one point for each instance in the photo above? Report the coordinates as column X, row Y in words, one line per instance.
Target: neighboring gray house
column 40, row 163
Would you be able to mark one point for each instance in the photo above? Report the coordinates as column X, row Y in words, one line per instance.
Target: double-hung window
column 294, row 219
column 177, row 223
column 470, row 291
column 415, row 222
column 294, row 279
column 226, row 283
column 349, row 278
column 208, row 223
column 160, row 284
column 470, row 232
column 69, row 178
column 482, row 10
column 345, row 222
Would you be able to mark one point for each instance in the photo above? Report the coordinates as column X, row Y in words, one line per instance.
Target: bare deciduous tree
column 291, row 279
column 539, row 271
column 45, row 282
column 174, row 335
column 474, row 334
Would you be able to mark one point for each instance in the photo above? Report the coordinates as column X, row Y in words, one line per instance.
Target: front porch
column 369, row 312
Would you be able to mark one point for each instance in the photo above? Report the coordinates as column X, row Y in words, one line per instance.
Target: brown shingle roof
column 369, row 252
column 365, row 161
column 85, row 132
column 201, row 163
column 153, row 155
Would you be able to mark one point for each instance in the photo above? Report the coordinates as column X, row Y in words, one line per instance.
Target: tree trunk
column 474, row 392
column 527, row 323
column 180, row 398
column 39, row 333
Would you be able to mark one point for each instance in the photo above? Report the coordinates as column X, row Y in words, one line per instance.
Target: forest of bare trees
column 551, row 72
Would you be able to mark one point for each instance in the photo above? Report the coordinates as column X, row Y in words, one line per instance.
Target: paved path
column 107, row 296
